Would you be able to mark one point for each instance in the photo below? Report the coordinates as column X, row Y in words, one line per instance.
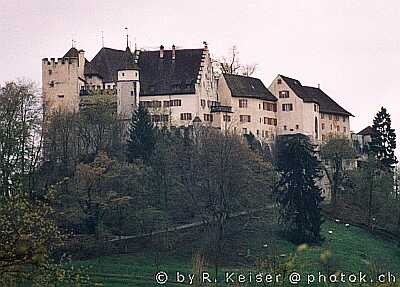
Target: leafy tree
column 371, row 197
column 99, row 126
column 30, row 236
column 20, row 137
column 105, row 192
column 96, row 187
column 298, row 195
column 141, row 141
column 28, row 231
column 336, row 151
column 383, row 143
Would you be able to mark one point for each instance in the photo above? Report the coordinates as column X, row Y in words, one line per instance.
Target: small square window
column 283, row 94
column 242, row 103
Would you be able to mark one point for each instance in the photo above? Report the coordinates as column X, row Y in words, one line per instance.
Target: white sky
column 351, row 48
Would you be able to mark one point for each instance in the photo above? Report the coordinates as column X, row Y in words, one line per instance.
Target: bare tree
column 221, row 176
column 336, row 151
column 61, row 146
column 232, row 65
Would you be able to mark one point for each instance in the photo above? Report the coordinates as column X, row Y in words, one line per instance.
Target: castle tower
column 62, row 80
column 128, row 86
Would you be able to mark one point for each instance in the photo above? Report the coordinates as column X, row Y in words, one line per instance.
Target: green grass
column 353, row 249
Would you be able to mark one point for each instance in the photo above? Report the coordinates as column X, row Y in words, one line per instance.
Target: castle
column 180, row 88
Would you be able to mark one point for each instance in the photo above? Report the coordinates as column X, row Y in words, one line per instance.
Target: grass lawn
column 353, row 249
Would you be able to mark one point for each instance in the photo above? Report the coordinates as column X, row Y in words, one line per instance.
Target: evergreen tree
column 298, row 196
column 383, row 143
column 141, row 141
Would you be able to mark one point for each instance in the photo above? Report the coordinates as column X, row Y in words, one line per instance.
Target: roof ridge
column 186, row 49
column 248, row 87
column 289, row 78
column 244, row 76
column 107, row 48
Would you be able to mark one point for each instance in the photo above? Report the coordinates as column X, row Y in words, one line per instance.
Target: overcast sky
column 351, row 48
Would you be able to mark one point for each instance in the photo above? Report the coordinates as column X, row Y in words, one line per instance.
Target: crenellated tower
column 62, row 80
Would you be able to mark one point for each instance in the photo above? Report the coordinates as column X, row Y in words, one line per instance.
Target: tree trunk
column 371, row 186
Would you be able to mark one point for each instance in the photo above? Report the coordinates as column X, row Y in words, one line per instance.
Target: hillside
column 353, row 249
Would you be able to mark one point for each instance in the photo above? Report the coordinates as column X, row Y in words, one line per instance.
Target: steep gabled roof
column 90, row 70
column 158, row 76
column 169, row 76
column 366, row 131
column 315, row 95
column 248, row 87
column 72, row 53
column 106, row 64
column 298, row 88
column 326, row 103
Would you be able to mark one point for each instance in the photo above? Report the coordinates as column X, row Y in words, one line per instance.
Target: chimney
column 81, row 59
column 161, row 52
column 173, row 52
column 319, row 86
